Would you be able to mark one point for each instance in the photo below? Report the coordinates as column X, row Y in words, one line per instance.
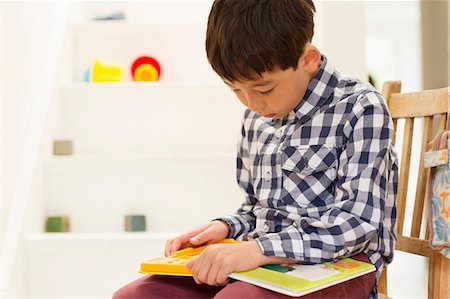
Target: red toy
column 146, row 69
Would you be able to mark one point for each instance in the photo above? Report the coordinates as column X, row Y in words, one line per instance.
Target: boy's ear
column 310, row 59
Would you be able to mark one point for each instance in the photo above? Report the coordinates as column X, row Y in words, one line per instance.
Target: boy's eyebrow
column 262, row 83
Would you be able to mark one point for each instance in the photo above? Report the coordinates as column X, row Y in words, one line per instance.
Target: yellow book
column 289, row 279
column 175, row 264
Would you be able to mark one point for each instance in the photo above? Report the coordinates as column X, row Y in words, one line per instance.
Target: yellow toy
column 104, row 71
column 176, row 263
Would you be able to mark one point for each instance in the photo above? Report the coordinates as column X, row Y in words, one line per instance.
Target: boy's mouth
column 269, row 115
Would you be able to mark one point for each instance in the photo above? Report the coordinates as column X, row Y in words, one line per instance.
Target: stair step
column 56, row 260
column 174, row 192
column 160, row 117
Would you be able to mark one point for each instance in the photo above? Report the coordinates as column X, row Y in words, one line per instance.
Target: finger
column 194, row 266
column 186, row 237
column 222, row 276
column 212, row 275
column 202, row 237
column 197, row 281
column 197, row 231
column 180, row 242
column 201, row 268
column 190, row 264
column 177, row 244
column 168, row 247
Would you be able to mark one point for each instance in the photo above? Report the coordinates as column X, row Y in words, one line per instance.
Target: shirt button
column 268, row 175
column 266, row 227
column 279, row 133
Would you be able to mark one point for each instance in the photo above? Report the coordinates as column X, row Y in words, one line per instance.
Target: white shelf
column 65, row 160
column 121, row 29
column 136, row 163
column 133, row 236
column 179, row 48
column 133, row 85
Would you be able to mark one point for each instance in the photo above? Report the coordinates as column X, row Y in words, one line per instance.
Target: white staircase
column 164, row 149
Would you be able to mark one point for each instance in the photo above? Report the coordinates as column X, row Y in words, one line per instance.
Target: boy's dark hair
column 246, row 38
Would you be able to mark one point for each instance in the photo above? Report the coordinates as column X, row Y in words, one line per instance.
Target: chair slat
column 427, row 227
column 418, row 104
column 439, row 278
column 390, row 88
column 382, row 282
column 443, row 122
column 413, row 245
column 421, row 180
column 395, row 130
column 404, row 173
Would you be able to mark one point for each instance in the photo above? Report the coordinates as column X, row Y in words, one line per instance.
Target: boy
column 315, row 160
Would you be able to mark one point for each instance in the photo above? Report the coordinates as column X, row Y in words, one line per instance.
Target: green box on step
column 135, row 223
column 62, row 147
column 57, row 224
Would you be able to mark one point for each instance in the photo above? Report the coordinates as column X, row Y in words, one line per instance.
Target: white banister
column 31, row 146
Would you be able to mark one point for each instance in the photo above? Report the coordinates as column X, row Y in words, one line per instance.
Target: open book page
column 298, row 280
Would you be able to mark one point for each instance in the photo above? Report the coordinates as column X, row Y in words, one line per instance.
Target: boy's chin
column 279, row 116
column 273, row 115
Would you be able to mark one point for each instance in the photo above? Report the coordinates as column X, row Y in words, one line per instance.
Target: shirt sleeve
column 365, row 176
column 244, row 220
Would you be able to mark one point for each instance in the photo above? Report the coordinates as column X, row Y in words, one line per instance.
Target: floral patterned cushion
column 438, row 159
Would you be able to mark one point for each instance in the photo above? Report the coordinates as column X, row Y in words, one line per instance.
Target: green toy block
column 57, row 224
column 62, row 147
column 135, row 223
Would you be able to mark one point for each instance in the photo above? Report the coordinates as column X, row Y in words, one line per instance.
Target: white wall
column 340, row 35
column 26, row 36
column 393, row 42
column 153, row 11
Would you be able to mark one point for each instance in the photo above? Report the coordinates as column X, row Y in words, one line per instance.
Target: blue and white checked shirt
column 320, row 183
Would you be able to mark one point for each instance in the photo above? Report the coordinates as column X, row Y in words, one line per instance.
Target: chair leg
column 382, row 282
column 439, row 277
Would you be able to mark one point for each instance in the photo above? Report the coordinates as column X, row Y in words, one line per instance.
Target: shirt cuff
column 288, row 244
column 238, row 225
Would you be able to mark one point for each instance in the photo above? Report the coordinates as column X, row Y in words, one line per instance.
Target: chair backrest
column 432, row 106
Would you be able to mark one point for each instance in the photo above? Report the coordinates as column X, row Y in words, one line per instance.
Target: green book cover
column 298, row 280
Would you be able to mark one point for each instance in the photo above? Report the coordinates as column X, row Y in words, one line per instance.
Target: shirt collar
column 319, row 90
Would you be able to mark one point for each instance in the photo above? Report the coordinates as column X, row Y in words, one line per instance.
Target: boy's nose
column 254, row 103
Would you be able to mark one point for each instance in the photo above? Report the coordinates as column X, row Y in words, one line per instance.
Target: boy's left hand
column 217, row 261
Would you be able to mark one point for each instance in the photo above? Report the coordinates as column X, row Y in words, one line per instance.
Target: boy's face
column 277, row 93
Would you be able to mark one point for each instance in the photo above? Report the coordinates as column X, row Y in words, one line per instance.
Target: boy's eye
column 267, row 91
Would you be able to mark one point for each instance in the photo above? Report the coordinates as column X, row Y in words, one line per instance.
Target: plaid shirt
column 320, row 183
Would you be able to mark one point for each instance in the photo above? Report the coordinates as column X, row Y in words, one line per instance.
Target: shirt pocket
column 309, row 174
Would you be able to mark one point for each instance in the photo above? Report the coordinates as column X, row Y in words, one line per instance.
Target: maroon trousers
column 151, row 286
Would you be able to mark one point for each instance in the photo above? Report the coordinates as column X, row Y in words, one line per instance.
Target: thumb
column 197, row 240
column 202, row 237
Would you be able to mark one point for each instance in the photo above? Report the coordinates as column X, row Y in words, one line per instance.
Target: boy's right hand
column 214, row 231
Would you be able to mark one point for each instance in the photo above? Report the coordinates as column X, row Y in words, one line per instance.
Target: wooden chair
column 427, row 104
